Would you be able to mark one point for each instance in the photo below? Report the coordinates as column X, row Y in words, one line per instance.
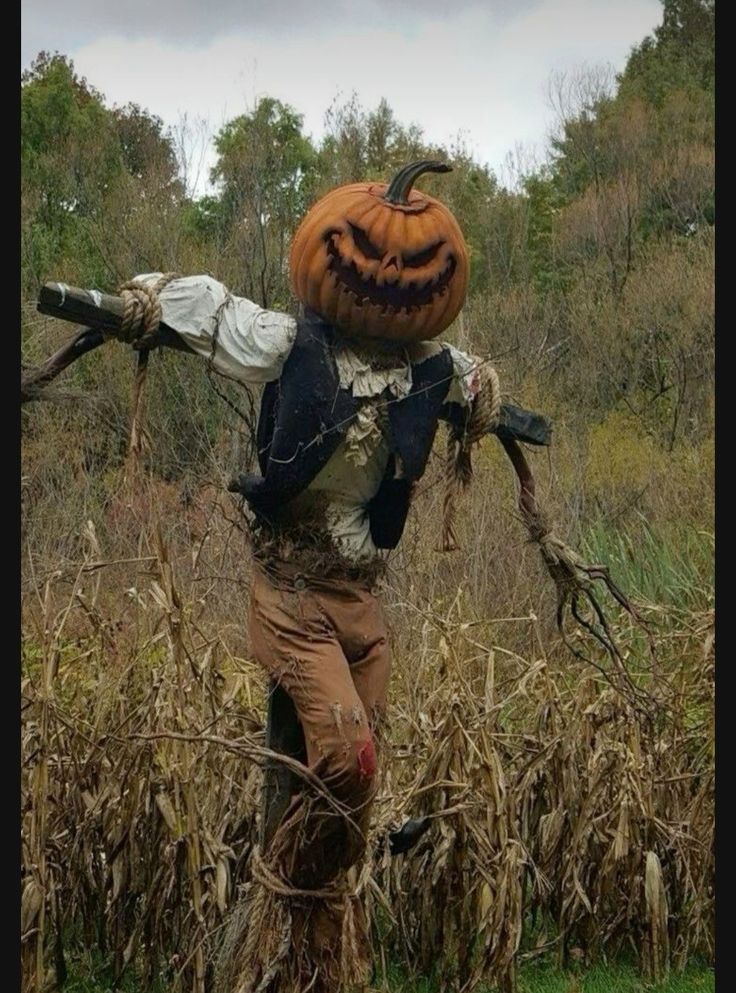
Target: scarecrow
column 354, row 390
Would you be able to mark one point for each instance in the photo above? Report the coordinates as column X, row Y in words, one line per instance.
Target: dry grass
column 569, row 815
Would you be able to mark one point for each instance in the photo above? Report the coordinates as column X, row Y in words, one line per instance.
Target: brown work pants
column 325, row 642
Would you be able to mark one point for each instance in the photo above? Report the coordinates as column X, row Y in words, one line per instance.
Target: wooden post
column 32, row 381
column 283, row 734
column 89, row 307
column 99, row 312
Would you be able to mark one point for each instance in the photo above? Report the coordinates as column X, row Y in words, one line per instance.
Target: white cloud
column 475, row 72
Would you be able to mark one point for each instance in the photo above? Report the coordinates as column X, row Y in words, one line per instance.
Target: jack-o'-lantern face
column 382, row 260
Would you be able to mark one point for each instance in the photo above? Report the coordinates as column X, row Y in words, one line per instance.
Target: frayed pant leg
column 295, row 636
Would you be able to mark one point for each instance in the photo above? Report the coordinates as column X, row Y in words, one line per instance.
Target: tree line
column 591, row 271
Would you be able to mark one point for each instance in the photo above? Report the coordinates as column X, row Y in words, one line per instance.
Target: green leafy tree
column 146, row 148
column 679, row 54
column 543, row 203
column 70, row 157
column 363, row 144
column 265, row 174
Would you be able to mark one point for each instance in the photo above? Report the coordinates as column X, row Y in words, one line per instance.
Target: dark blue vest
column 305, row 414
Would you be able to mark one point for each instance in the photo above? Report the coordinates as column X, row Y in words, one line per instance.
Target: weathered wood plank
column 32, row 381
column 99, row 312
column 102, row 311
column 523, row 425
column 89, row 307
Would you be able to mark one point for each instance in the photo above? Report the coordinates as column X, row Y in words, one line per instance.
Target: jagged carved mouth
column 390, row 296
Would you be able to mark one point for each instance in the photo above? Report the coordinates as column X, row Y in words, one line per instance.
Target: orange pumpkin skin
column 376, row 268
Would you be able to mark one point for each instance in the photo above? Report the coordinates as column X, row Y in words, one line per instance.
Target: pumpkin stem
column 401, row 184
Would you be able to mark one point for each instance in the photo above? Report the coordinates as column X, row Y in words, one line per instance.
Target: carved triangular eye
column 422, row 258
column 364, row 243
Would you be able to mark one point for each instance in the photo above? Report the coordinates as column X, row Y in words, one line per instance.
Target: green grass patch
column 546, row 977
column 87, row 974
column 673, row 565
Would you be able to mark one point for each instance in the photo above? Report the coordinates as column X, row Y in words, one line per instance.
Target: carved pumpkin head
column 381, row 260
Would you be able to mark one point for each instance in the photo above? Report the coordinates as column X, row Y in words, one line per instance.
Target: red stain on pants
column 367, row 760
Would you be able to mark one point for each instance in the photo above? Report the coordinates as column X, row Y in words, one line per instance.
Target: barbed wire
column 250, row 419
column 379, row 405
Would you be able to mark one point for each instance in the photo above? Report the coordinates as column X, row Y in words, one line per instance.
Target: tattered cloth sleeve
column 242, row 340
column 466, row 381
column 461, row 412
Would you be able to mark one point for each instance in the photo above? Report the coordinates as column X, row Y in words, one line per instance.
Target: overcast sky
column 454, row 67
